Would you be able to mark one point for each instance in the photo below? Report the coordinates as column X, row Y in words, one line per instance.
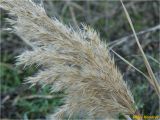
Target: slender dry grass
column 152, row 79
column 74, row 61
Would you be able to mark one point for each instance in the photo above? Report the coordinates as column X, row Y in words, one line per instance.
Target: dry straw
column 151, row 79
column 74, row 61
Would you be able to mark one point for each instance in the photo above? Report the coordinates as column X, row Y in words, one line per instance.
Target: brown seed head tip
column 76, row 61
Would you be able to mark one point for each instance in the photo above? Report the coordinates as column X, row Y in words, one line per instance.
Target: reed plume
column 74, row 61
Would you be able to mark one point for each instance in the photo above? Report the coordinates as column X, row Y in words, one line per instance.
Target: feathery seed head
column 74, row 61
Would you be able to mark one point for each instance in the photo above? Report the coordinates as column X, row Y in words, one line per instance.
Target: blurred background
column 18, row 101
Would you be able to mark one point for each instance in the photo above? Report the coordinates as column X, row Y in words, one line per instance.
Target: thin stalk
column 149, row 69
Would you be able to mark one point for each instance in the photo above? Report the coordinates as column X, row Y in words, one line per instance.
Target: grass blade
column 149, row 69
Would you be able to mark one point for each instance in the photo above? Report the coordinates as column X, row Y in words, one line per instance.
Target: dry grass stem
column 152, row 80
column 41, row 97
column 122, row 40
column 126, row 61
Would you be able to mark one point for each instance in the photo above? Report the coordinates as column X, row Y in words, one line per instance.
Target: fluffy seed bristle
column 74, row 61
